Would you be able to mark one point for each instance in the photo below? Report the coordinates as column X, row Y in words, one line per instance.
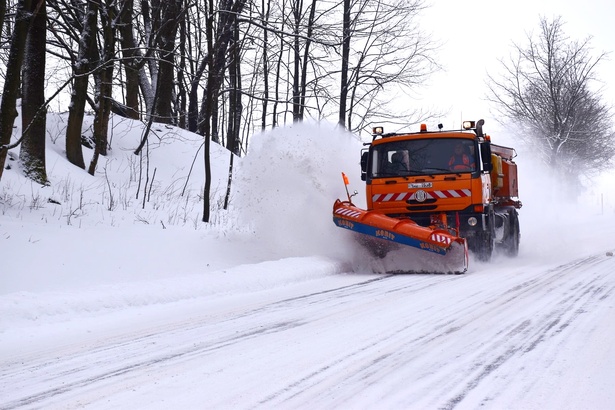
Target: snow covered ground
column 110, row 301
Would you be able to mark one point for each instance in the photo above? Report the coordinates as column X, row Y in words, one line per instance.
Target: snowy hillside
column 86, row 231
column 91, row 264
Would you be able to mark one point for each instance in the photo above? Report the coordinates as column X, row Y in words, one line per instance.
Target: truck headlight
column 472, row 221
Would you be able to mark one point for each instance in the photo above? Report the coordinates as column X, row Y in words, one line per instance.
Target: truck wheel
column 513, row 236
column 485, row 245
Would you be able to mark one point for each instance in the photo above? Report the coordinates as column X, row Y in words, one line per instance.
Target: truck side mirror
column 364, row 165
column 485, row 154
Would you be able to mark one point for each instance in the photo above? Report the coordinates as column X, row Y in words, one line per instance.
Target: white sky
column 476, row 33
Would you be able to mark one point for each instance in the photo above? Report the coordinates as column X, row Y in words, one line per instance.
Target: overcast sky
column 475, row 33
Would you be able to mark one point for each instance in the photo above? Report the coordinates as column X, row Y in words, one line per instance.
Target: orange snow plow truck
column 436, row 191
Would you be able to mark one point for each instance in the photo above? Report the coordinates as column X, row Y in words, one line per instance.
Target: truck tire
column 483, row 244
column 513, row 235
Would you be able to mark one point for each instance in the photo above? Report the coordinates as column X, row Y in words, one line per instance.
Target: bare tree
column 547, row 89
column 167, row 14
column 181, row 100
column 214, row 68
column 386, row 52
column 131, row 59
column 104, row 81
column 299, row 65
column 196, row 72
column 12, row 80
column 33, row 109
column 2, row 13
column 229, row 10
column 235, row 93
column 278, row 70
column 265, row 11
column 345, row 56
column 81, row 66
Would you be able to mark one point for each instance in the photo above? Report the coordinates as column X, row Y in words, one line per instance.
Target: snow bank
column 28, row 308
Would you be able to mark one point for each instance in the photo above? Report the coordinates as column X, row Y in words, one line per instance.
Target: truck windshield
column 423, row 157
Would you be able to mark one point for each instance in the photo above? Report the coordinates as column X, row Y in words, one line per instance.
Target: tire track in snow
column 488, row 327
column 75, row 364
column 46, row 372
column 508, row 341
column 541, row 330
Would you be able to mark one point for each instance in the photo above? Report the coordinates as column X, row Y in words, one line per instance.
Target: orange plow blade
column 384, row 233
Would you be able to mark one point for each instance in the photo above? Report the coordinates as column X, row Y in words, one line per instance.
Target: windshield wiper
column 438, row 169
column 412, row 171
column 445, row 170
column 402, row 173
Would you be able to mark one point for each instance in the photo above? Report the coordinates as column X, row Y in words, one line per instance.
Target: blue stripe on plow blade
column 387, row 235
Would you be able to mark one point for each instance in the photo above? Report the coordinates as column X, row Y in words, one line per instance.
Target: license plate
column 420, row 185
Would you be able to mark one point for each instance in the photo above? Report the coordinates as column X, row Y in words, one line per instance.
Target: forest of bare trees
column 221, row 68
column 226, row 69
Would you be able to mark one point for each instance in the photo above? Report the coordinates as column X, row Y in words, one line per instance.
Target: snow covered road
column 533, row 336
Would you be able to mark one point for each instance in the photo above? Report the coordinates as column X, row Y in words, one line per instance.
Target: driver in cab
column 460, row 161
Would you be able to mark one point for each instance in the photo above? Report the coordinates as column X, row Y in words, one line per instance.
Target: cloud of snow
column 285, row 187
column 555, row 222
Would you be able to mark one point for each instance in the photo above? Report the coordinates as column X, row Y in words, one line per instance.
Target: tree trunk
column 150, row 26
column 229, row 11
column 265, row 19
column 206, row 117
column 12, row 79
column 180, row 105
column 278, row 71
column 105, row 75
column 33, row 110
column 169, row 19
column 130, row 64
column 296, row 62
column 345, row 63
column 146, row 86
column 235, row 106
column 76, row 109
column 193, row 104
column 306, row 59
column 227, row 196
column 214, row 116
column 2, row 13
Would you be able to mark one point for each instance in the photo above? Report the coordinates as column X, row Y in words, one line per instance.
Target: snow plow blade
column 381, row 234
